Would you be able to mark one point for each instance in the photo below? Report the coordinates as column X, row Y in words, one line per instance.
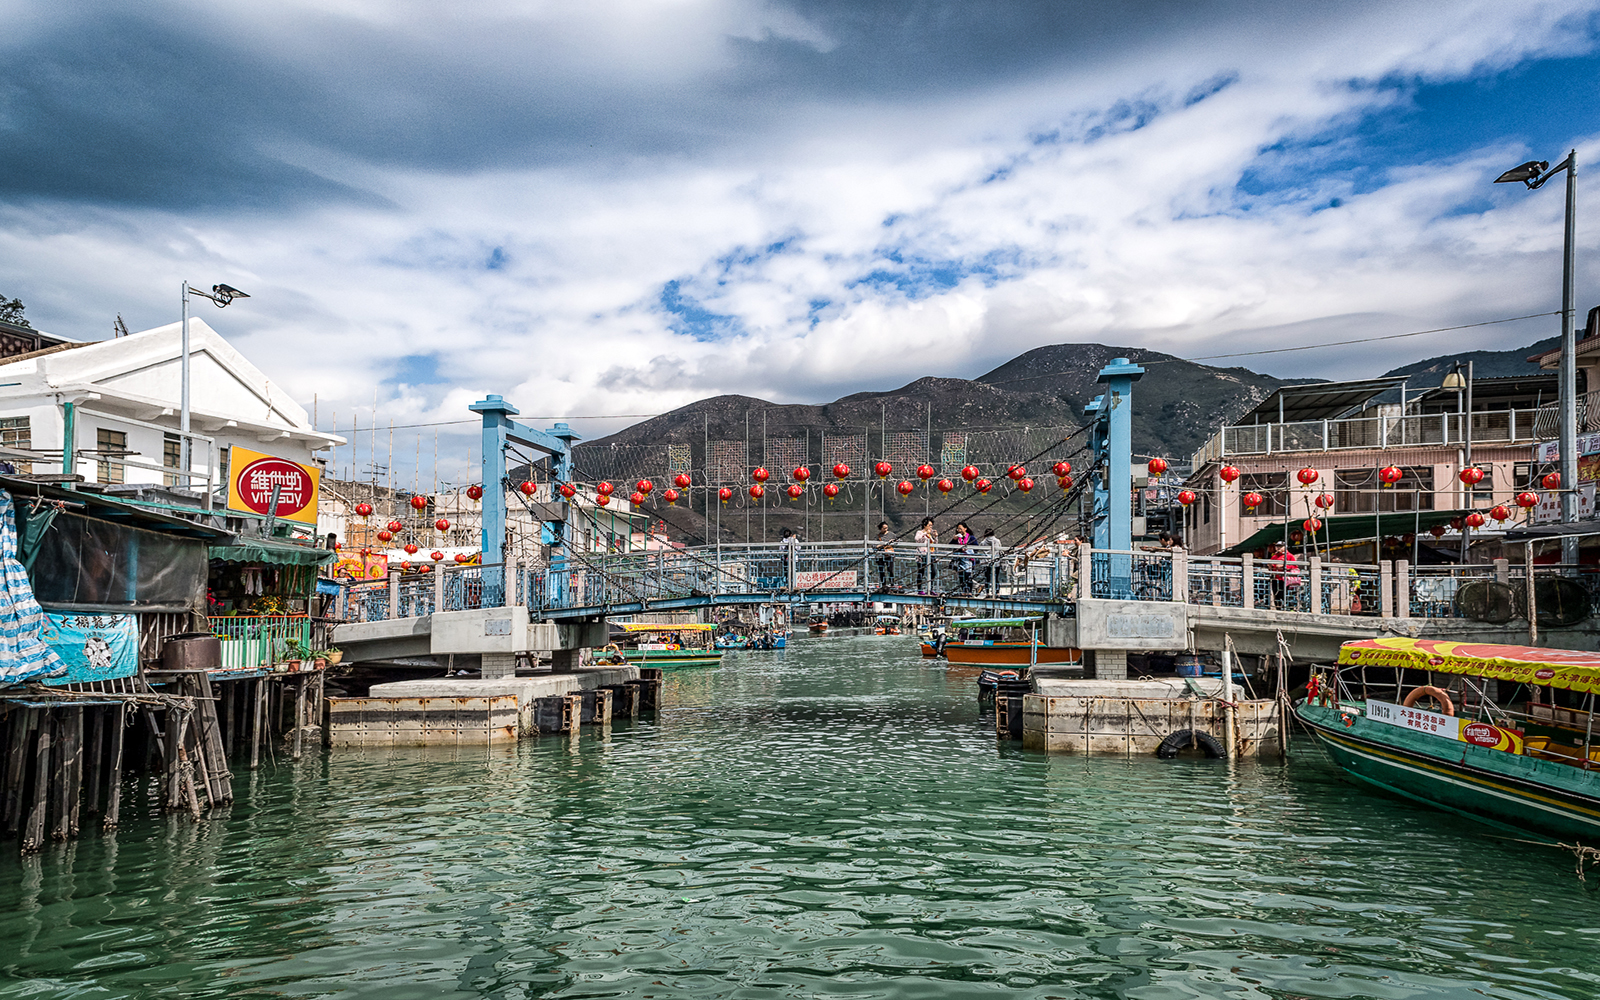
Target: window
column 1359, row 491
column 172, row 458
column 110, row 445
column 1271, row 486
column 16, row 432
column 1206, row 499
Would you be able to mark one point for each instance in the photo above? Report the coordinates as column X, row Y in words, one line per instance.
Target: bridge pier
column 498, row 666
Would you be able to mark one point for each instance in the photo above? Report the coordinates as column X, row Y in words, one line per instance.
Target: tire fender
column 1181, row 740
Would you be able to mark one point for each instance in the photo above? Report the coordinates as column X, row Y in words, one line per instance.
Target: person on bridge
column 926, row 537
column 1285, row 576
column 992, row 549
column 963, row 562
column 885, row 558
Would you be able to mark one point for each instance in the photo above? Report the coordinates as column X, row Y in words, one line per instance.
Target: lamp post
column 1534, row 174
column 1462, row 387
column 221, row 295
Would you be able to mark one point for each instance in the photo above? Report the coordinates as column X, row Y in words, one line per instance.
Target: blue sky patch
column 689, row 317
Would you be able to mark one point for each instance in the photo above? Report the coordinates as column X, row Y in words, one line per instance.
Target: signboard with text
column 253, row 476
column 1450, row 727
column 839, row 579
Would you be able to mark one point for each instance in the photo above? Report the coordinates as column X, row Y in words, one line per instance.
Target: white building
column 119, row 401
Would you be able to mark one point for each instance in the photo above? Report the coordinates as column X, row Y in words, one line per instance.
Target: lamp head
column 1453, row 382
column 223, row 294
column 1527, row 173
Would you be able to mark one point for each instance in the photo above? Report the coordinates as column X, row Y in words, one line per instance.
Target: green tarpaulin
column 262, row 550
column 1350, row 528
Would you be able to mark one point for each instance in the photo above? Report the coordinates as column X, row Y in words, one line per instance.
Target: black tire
column 1181, row 740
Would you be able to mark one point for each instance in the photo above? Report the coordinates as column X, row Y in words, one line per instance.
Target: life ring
column 1429, row 691
column 1183, row 738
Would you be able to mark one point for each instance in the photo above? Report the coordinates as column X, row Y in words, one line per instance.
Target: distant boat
column 991, row 642
column 661, row 645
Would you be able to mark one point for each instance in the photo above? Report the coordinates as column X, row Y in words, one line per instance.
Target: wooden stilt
column 68, row 773
column 228, row 700
column 94, row 759
column 23, row 724
column 33, row 829
column 208, row 738
column 299, row 714
column 258, row 707
column 119, row 724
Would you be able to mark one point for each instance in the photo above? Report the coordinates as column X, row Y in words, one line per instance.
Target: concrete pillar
column 498, row 666
column 1111, row 664
column 565, row 661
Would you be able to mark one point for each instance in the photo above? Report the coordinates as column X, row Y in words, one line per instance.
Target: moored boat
column 1529, row 768
column 1003, row 642
column 661, row 645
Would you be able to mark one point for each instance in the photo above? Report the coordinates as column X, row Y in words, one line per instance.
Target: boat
column 759, row 640
column 996, row 642
column 661, row 645
column 818, row 627
column 886, row 625
column 1531, row 766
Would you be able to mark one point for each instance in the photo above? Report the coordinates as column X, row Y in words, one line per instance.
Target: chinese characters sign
column 254, row 476
column 1480, row 734
column 94, row 647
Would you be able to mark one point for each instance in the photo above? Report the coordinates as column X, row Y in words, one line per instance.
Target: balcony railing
column 1376, row 431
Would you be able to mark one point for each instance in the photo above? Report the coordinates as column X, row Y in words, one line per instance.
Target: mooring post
column 258, row 709
column 1230, row 717
column 299, row 714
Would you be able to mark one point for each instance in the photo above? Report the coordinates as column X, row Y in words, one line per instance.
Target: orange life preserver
column 1438, row 694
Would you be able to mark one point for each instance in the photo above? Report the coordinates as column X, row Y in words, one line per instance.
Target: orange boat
column 995, row 650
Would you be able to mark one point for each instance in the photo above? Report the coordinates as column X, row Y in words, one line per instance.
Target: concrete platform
column 1138, row 689
column 525, row 689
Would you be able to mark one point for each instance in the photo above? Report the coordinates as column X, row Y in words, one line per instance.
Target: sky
column 621, row 207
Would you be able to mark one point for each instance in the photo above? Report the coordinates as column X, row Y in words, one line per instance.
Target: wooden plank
column 94, row 759
column 119, row 723
column 33, row 828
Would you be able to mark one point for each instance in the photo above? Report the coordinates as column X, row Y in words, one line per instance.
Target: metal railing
column 1375, row 431
column 252, row 642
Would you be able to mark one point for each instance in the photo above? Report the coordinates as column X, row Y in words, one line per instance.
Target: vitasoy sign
column 255, row 476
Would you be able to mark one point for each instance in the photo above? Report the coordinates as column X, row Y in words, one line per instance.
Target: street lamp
column 221, row 295
column 1534, row 174
column 1462, row 387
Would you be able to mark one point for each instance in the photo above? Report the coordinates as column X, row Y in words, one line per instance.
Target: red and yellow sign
column 1482, row 734
column 1571, row 669
column 253, row 477
column 372, row 566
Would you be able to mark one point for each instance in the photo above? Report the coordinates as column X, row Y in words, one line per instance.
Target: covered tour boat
column 655, row 644
column 1003, row 642
column 1521, row 754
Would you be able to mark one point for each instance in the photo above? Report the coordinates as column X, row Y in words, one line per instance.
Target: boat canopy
column 995, row 622
column 1571, row 669
column 666, row 627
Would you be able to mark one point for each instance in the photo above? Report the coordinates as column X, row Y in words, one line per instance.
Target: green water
column 831, row 821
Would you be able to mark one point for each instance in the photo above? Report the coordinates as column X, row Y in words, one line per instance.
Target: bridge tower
column 500, row 431
column 1111, row 437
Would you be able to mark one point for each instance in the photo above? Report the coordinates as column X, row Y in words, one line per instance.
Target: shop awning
column 266, row 550
column 1350, row 527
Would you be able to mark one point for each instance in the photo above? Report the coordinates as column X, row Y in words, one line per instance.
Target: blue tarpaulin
column 24, row 655
column 94, row 647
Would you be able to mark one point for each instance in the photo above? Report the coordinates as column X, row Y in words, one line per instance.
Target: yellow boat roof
column 664, row 627
column 1571, row 669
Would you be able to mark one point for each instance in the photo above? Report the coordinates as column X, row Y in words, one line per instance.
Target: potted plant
column 333, row 654
column 292, row 654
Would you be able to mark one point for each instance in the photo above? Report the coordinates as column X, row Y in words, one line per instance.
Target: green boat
column 661, row 645
column 1528, row 766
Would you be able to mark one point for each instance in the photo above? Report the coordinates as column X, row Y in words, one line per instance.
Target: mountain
column 1485, row 364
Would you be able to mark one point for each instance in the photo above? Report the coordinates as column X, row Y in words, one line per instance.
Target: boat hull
column 1008, row 654
column 672, row 658
column 1490, row 786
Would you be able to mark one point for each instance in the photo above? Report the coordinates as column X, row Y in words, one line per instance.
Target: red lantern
column 983, row 486
column 1252, row 500
column 944, row 486
column 926, row 472
column 1025, row 484
column 757, row 491
column 760, row 475
column 1157, row 466
column 1016, row 472
column 725, row 494
column 474, row 493
column 527, row 488
column 1472, row 475
column 462, row 557
column 830, row 490
column 603, row 499
column 419, row 503
column 841, row 471
column 337, row 546
column 1500, row 512
column 1306, row 476
column 905, row 488
column 1312, row 525
column 969, row 473
column 424, row 568
column 364, row 509
column 405, row 567
column 883, row 470
column 395, row 527
column 795, row 491
column 1551, row 481
column 1389, row 475
column 1228, row 473
column 1061, row 468
column 644, row 486
column 682, row 480
column 670, row 496
column 1437, row 531
column 801, row 474
column 1474, row 520
column 411, row 548
column 1065, row 482
column 384, row 536
column 1187, row 497
column 1455, row 522
column 1527, row 499
column 443, row 524
column 605, row 489
column 567, row 490
column 437, row 556
column 636, row 498
column 1324, row 500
